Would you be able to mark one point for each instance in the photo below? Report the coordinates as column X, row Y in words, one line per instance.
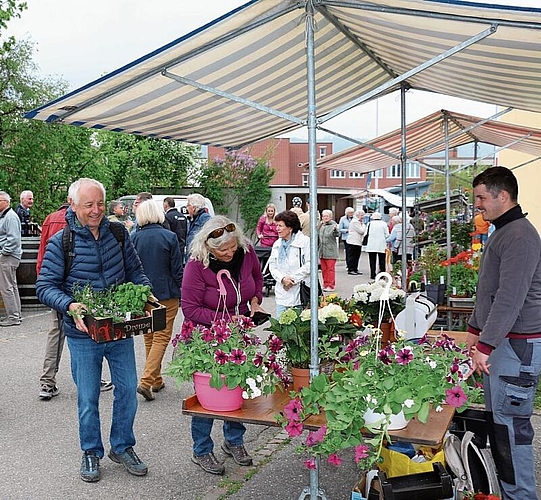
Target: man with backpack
column 52, row 224
column 99, row 259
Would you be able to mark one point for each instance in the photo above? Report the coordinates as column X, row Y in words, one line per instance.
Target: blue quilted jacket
column 98, row 262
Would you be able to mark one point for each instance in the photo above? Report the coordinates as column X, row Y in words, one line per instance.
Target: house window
column 413, row 169
column 338, row 174
column 356, row 175
column 322, row 151
column 305, row 179
column 377, row 174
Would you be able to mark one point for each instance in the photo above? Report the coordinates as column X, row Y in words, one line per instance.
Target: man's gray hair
column 6, row 196
column 26, row 193
column 74, row 189
column 196, row 200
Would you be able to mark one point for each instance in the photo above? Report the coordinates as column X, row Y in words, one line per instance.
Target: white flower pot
column 396, row 422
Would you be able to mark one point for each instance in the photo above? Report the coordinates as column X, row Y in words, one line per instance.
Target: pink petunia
column 310, row 464
column 293, row 409
column 455, row 396
column 361, row 451
column 334, row 459
column 315, row 437
column 237, row 356
column 258, row 359
column 221, row 357
column 293, row 429
column 384, row 357
column 404, row 356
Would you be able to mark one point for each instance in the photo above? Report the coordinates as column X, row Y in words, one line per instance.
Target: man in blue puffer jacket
column 99, row 262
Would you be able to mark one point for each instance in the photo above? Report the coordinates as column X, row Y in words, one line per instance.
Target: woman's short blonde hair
column 149, row 213
column 203, row 244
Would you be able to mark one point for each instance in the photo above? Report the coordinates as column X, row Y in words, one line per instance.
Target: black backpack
column 68, row 243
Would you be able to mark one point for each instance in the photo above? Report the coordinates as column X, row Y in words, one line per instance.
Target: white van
column 180, row 202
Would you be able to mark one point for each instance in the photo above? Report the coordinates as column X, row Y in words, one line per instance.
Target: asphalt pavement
column 39, row 445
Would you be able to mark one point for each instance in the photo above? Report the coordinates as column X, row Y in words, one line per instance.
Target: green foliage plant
column 116, row 302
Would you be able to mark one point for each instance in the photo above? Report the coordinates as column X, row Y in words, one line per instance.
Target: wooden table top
column 262, row 411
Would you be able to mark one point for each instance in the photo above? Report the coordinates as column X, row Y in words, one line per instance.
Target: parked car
column 180, row 202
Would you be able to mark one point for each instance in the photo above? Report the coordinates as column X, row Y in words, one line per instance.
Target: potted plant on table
column 231, row 357
column 399, row 377
column 367, row 299
column 464, row 276
column 337, row 323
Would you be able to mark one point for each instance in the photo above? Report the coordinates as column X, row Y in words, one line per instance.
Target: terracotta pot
column 213, row 399
column 301, row 378
column 387, row 332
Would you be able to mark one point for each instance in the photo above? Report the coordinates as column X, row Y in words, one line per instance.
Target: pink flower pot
column 213, row 399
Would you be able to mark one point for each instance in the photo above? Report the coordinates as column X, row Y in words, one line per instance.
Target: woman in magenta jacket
column 219, row 245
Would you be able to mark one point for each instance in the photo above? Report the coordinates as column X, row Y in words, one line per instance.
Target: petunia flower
column 293, row 429
column 455, row 396
column 237, row 356
column 221, row 357
column 361, row 451
column 315, row 437
column 334, row 459
column 310, row 463
column 293, row 410
column 404, row 356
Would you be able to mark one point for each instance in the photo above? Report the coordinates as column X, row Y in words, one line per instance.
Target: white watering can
column 418, row 316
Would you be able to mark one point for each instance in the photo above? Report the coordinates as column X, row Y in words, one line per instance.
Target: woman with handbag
column 219, row 245
column 289, row 262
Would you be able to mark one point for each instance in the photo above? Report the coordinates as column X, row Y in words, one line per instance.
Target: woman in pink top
column 266, row 227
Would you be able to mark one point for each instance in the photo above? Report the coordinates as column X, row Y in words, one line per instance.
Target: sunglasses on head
column 218, row 232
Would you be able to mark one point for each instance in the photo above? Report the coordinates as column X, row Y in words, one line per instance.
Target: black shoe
column 131, row 461
column 46, row 392
column 158, row 388
column 352, row 272
column 209, row 463
column 106, row 385
column 90, row 467
column 239, row 453
column 146, row 393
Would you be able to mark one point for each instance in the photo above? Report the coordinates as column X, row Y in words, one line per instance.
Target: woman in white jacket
column 377, row 243
column 289, row 261
column 356, row 233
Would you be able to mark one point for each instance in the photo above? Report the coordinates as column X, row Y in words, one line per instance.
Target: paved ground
column 40, row 455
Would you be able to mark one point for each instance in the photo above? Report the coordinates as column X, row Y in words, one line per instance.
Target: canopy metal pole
column 403, row 159
column 447, row 208
column 315, row 492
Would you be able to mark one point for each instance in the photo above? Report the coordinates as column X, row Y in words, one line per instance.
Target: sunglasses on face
column 218, row 232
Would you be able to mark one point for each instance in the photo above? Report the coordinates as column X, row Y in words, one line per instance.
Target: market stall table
column 262, row 411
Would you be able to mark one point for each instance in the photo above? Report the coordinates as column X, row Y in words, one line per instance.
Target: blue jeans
column 202, row 442
column 509, row 399
column 86, row 365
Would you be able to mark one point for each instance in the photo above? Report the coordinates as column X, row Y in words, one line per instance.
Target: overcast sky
column 80, row 40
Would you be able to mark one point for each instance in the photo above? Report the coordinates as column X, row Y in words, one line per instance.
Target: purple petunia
column 404, row 356
column 237, row 356
column 221, row 357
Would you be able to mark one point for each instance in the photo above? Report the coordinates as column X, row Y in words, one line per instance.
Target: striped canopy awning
column 426, row 137
column 243, row 77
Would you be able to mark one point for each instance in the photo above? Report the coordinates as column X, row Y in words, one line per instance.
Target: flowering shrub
column 387, row 379
column 367, row 298
column 231, row 353
column 335, row 325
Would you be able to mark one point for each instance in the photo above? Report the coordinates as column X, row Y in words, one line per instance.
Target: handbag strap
column 222, row 304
